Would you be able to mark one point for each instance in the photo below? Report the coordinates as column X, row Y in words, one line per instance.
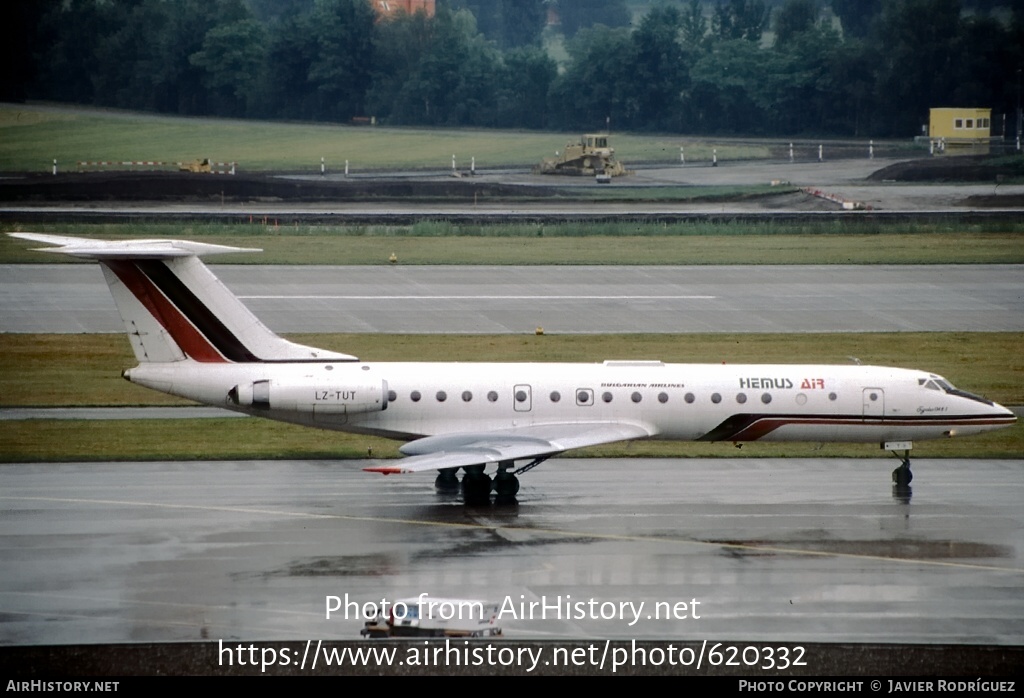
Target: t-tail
column 175, row 309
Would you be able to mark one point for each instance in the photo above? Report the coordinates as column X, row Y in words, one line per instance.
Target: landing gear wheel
column 447, row 480
column 476, row 485
column 506, row 484
column 901, row 476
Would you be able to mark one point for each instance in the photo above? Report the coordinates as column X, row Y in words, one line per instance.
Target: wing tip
column 385, row 470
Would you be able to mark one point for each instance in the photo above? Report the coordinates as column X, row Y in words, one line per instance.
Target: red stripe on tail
column 184, row 333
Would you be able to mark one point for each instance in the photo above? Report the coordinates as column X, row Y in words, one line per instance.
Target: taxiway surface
column 564, row 300
column 760, row 550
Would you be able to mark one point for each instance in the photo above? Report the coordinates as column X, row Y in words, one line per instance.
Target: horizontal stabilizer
column 127, row 249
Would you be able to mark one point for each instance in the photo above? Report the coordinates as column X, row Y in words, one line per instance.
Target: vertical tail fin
column 173, row 306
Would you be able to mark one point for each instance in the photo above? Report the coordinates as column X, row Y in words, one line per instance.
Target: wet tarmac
column 753, row 550
column 564, row 300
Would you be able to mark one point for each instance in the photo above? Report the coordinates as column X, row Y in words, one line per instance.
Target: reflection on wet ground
column 798, row 550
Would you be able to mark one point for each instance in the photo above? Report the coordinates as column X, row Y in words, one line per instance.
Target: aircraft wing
column 455, row 450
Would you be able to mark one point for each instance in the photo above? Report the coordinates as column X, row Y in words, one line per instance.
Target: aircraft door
column 874, row 403
column 522, row 398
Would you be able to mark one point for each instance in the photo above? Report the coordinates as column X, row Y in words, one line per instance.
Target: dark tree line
column 845, row 67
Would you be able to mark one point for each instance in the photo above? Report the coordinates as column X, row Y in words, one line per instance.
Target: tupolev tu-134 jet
column 193, row 338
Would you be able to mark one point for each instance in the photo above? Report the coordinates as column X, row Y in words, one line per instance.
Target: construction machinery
column 590, row 156
column 196, row 166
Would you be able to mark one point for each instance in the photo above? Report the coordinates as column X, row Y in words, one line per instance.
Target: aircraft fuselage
column 710, row 402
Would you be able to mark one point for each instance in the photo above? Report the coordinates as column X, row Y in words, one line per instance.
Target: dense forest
column 752, row 67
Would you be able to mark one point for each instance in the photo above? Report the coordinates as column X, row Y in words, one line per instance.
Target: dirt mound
column 947, row 168
column 184, row 186
column 993, row 201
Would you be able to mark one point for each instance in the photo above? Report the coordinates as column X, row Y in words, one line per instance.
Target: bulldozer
column 589, row 157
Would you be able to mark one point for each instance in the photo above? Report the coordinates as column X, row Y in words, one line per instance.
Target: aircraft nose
column 1003, row 416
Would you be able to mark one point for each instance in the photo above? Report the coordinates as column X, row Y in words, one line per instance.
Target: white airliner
column 194, row 338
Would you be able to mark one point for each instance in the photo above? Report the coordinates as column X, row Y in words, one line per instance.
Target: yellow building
column 960, row 125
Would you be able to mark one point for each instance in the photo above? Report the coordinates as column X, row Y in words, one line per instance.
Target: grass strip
column 240, row 439
column 33, row 135
column 440, row 242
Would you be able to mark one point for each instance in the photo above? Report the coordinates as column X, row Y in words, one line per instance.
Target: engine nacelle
column 320, row 398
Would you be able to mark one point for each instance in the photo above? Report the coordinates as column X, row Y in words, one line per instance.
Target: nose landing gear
column 901, row 476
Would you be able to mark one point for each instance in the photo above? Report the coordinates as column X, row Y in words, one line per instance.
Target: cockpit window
column 936, row 383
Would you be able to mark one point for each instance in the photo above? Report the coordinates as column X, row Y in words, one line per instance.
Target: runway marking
column 132, row 602
column 548, row 531
column 203, row 624
column 480, row 298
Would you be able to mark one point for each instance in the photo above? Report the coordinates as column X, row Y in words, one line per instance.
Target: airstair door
column 874, row 404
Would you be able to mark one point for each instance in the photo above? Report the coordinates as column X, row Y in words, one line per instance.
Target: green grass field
column 439, row 242
column 32, row 136
column 239, row 439
column 36, row 371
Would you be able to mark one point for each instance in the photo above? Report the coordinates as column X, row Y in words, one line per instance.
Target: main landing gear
column 506, row 484
column 447, row 480
column 477, row 485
